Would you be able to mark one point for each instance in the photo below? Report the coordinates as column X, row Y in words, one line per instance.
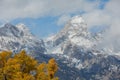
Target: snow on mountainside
column 75, row 46
column 19, row 37
column 75, row 32
column 73, row 42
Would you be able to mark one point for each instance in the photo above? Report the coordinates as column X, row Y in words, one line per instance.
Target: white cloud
column 20, row 9
column 11, row 9
column 97, row 18
column 63, row 19
column 113, row 35
column 113, row 7
column 109, row 16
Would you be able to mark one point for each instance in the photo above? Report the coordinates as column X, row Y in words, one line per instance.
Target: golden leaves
column 24, row 67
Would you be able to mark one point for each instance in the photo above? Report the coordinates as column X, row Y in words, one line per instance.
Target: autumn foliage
column 23, row 67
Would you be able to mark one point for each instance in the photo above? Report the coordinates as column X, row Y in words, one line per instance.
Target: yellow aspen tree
column 4, row 56
column 27, row 63
column 23, row 67
column 42, row 73
column 52, row 68
column 23, row 76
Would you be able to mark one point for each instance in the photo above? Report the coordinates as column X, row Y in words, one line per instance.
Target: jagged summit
column 8, row 25
column 22, row 26
column 76, row 25
column 9, row 30
column 77, row 20
column 74, row 33
column 19, row 37
column 24, row 30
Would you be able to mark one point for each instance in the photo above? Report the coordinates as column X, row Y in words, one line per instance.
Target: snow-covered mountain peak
column 9, row 30
column 23, row 29
column 77, row 20
column 8, row 25
column 18, row 37
column 74, row 33
column 22, row 26
column 74, row 28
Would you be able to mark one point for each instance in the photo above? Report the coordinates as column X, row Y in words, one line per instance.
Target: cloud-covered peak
column 77, row 20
